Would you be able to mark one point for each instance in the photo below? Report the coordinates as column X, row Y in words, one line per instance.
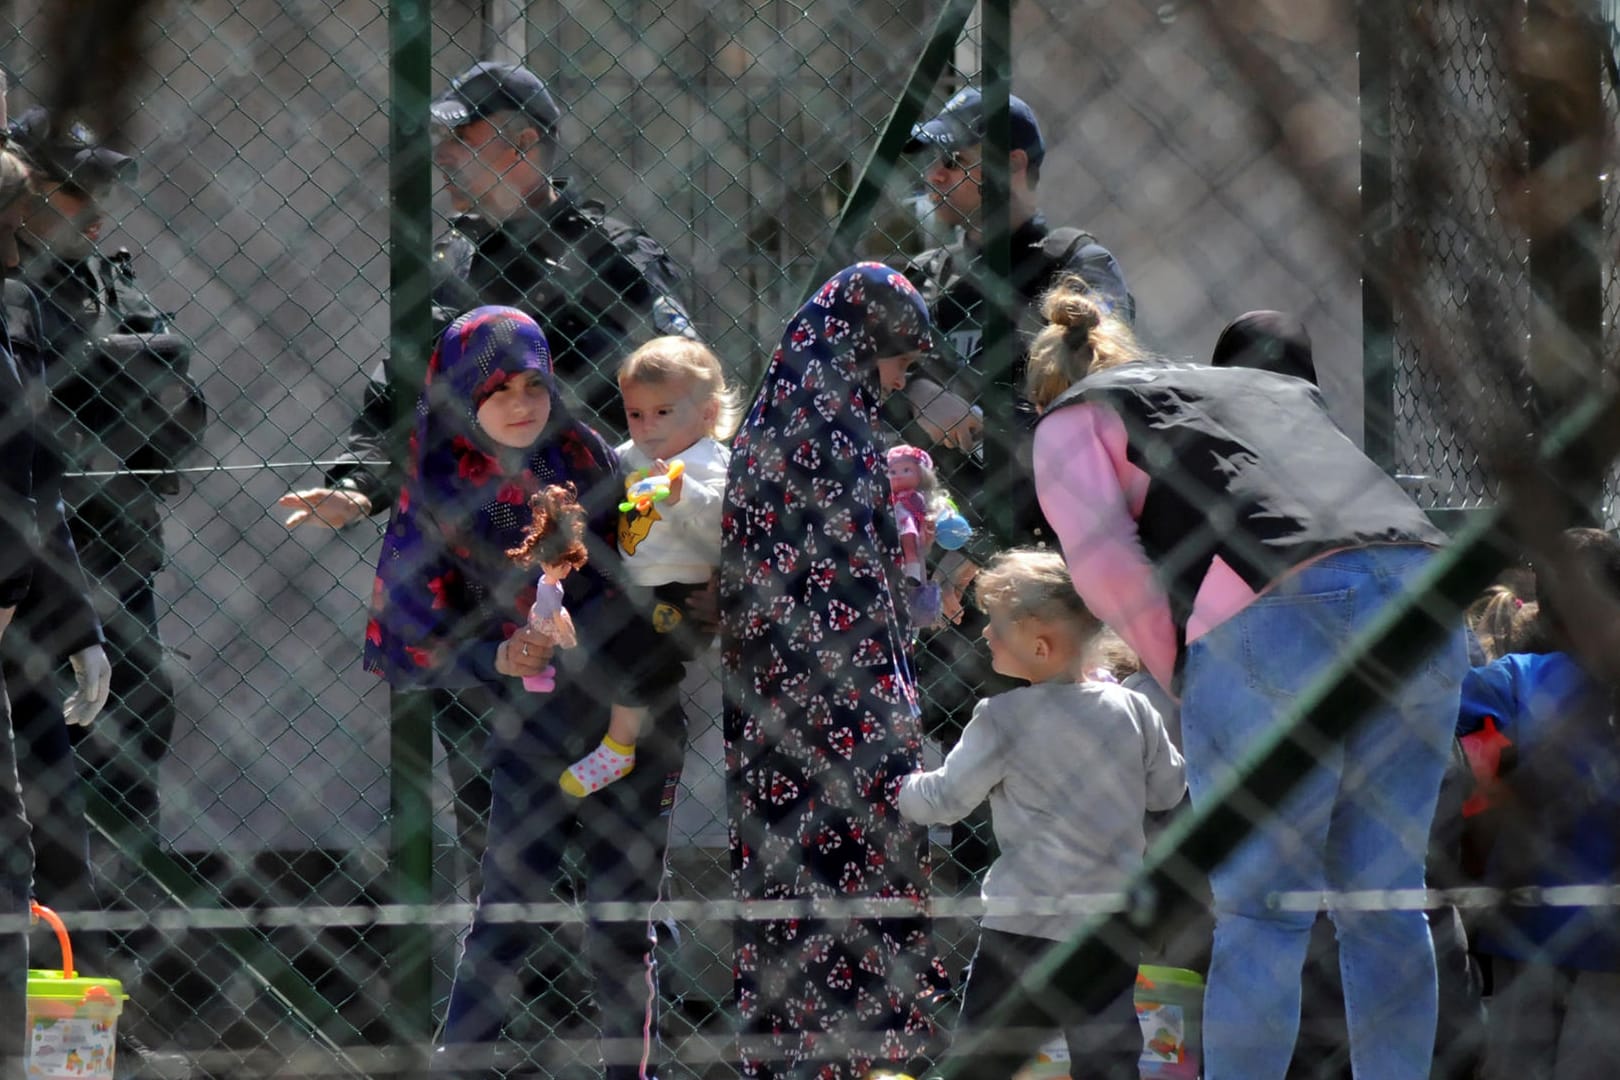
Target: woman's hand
column 331, row 507
column 527, row 652
column 954, row 574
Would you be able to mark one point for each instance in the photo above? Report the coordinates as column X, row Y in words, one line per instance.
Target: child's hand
column 661, row 468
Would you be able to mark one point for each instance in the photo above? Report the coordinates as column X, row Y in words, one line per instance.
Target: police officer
column 597, row 286
column 19, row 550
column 55, row 624
column 124, row 410
column 939, row 407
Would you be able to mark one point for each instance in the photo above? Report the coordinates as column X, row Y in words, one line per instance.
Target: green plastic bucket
column 72, row 1022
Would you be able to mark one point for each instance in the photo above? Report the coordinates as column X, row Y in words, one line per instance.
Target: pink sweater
column 1092, row 495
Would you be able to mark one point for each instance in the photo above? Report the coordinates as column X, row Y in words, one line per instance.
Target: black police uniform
column 53, row 621
column 957, row 672
column 949, row 279
column 598, row 287
column 122, row 402
column 19, row 548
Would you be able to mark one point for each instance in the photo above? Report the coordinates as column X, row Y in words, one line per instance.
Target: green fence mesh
column 238, row 787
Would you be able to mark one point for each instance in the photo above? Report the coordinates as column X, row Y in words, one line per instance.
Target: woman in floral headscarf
column 448, row 615
column 821, row 705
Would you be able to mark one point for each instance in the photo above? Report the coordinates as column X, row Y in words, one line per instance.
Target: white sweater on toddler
column 680, row 543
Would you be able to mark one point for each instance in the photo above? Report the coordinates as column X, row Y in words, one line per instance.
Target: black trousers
column 124, row 749
column 461, row 721
column 1095, row 1011
column 53, row 796
column 621, row 834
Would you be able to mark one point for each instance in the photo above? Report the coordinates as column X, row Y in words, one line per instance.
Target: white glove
column 92, row 672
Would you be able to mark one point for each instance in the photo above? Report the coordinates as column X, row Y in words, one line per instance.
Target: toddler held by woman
column 678, row 409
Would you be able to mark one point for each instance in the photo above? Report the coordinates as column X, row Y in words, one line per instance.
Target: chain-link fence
column 248, row 830
column 1491, row 128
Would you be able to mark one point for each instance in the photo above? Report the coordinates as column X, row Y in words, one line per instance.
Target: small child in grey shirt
column 1071, row 768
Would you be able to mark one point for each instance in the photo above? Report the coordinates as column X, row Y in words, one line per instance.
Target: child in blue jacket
column 1556, row 963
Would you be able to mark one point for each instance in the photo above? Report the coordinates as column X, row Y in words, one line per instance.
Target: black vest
column 1248, row 466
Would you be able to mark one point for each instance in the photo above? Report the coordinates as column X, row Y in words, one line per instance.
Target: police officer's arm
column 364, row 464
column 59, row 582
column 645, row 283
column 627, row 296
column 937, row 398
column 363, row 481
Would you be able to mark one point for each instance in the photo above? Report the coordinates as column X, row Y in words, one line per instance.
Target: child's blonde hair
column 665, row 359
column 1030, row 583
column 1113, row 654
column 1504, row 622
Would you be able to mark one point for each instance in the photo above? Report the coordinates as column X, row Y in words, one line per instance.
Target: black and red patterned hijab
column 809, row 545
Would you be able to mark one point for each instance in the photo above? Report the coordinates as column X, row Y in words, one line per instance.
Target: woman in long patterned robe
column 821, row 705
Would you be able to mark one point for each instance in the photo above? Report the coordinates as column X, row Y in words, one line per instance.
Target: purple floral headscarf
column 445, row 586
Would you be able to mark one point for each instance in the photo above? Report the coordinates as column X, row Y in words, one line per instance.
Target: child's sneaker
column 596, row 770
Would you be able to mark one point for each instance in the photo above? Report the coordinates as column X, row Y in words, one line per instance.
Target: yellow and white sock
column 596, row 770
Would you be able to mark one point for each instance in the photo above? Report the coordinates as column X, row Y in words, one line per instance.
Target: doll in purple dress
column 555, row 542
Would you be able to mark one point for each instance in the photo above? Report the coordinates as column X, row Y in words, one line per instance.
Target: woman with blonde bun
column 1221, row 523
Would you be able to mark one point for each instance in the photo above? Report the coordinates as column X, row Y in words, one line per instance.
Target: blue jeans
column 1359, row 820
column 622, row 832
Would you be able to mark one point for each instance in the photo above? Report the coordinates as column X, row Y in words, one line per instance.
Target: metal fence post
column 857, row 211
column 411, row 726
column 999, row 393
column 1566, row 126
column 1377, row 236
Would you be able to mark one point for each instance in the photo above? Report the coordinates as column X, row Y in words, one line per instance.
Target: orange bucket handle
column 40, row 911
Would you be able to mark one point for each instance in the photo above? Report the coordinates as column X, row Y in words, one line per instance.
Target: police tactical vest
column 945, row 278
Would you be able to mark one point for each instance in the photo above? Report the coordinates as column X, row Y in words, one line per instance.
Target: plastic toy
column 951, row 529
column 641, row 491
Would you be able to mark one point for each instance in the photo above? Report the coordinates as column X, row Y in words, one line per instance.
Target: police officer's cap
column 961, row 123
column 489, row 87
column 71, row 156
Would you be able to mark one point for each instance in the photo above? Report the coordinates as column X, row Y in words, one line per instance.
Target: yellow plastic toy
column 641, row 490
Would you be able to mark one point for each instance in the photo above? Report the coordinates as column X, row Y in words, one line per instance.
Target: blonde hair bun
column 1080, row 337
column 1073, row 309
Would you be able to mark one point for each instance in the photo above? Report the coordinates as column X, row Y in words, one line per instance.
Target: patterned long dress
column 821, row 705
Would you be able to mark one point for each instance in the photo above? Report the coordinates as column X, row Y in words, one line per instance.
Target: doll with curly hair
column 555, row 543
